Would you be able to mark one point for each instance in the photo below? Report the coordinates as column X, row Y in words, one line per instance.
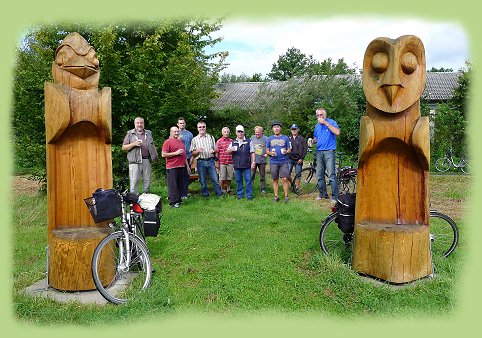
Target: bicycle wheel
column 444, row 234
column 333, row 241
column 442, row 164
column 308, row 182
column 347, row 185
column 465, row 166
column 115, row 278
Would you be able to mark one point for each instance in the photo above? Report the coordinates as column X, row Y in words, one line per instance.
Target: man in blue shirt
column 326, row 131
column 278, row 147
column 186, row 137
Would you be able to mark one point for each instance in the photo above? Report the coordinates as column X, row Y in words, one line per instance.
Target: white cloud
column 254, row 46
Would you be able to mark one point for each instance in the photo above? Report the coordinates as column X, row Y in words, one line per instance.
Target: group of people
column 239, row 158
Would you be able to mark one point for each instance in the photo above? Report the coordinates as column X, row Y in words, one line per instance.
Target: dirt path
column 21, row 185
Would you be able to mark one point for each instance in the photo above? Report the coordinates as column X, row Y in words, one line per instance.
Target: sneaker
column 175, row 205
column 321, row 198
column 249, row 198
column 332, row 200
column 184, row 197
column 287, row 199
column 276, row 199
column 263, row 191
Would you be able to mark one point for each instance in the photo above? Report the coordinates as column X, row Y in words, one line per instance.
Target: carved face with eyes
column 394, row 73
column 76, row 64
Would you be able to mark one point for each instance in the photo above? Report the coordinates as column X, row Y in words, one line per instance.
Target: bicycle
column 121, row 266
column 443, row 164
column 308, row 181
column 444, row 236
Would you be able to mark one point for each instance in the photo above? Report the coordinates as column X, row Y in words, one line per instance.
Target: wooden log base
column 394, row 253
column 70, row 257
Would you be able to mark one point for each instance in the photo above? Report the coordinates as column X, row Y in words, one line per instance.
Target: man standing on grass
column 204, row 147
column 186, row 137
column 278, row 147
column 225, row 161
column 299, row 149
column 141, row 151
column 258, row 140
column 326, row 131
column 243, row 156
column 174, row 153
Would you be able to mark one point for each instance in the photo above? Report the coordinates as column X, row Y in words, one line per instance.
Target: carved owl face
column 76, row 64
column 394, row 73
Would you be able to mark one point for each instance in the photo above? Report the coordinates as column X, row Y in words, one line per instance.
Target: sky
column 254, row 46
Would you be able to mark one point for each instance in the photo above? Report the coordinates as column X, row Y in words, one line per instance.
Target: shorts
column 226, row 172
column 279, row 170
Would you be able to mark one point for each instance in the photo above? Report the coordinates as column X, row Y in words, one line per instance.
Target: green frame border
column 21, row 15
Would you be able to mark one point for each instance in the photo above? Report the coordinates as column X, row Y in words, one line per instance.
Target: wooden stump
column 394, row 253
column 70, row 257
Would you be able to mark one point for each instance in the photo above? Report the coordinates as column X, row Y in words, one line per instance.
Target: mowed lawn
column 224, row 256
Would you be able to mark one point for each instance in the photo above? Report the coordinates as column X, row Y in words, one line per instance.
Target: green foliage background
column 159, row 70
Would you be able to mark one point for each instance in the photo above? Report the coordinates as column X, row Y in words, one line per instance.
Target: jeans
column 295, row 164
column 205, row 167
column 325, row 160
column 246, row 174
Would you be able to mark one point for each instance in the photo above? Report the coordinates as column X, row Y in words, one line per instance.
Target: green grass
column 225, row 256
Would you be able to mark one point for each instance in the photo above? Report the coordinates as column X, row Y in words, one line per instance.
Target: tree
column 230, row 78
column 292, row 63
column 157, row 70
column 442, row 69
column 294, row 101
column 296, row 64
column 327, row 67
column 451, row 119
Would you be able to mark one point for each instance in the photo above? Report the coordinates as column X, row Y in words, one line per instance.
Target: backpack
column 345, row 205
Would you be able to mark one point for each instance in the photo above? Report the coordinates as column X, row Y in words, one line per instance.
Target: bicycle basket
column 104, row 205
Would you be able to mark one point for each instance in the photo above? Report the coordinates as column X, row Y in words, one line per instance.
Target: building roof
column 439, row 87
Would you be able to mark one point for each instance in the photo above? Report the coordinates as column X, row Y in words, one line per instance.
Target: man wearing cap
column 326, row 131
column 225, row 161
column 298, row 152
column 277, row 148
column 258, row 140
column 243, row 156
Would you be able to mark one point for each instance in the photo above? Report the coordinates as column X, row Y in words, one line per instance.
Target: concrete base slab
column 41, row 289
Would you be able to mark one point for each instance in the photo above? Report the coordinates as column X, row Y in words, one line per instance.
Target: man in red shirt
column 175, row 154
column 225, row 161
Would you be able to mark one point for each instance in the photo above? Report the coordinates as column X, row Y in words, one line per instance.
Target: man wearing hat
column 298, row 152
column 243, row 157
column 277, row 148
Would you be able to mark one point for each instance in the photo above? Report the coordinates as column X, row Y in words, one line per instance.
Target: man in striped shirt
column 203, row 148
column 225, row 160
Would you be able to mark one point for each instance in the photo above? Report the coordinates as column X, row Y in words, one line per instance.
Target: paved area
column 41, row 289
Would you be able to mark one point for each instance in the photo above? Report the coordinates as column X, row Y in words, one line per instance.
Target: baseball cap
column 294, row 126
column 276, row 123
column 239, row 128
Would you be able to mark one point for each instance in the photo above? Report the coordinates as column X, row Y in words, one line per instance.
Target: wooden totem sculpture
column 392, row 237
column 79, row 160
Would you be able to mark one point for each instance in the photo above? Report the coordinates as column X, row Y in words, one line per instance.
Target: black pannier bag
column 345, row 205
column 104, row 205
column 152, row 221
